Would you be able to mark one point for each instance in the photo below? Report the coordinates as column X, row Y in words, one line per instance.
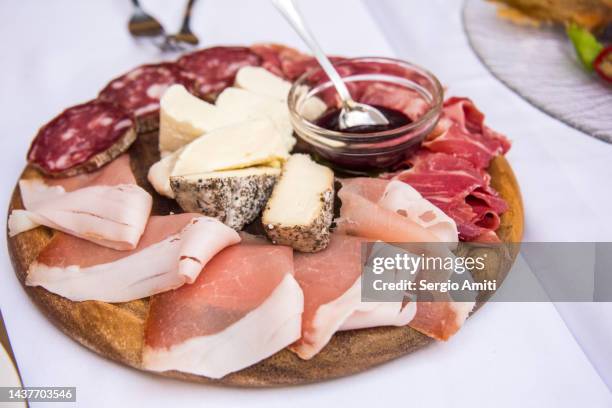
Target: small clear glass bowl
column 371, row 80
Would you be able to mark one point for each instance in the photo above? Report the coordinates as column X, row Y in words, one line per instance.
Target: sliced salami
column 214, row 69
column 140, row 90
column 82, row 138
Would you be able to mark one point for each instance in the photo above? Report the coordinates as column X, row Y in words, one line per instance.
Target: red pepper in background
column 603, row 64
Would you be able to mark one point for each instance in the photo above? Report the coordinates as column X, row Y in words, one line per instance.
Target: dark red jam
column 331, row 120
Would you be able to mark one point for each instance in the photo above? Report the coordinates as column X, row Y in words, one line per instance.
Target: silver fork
column 142, row 24
column 185, row 36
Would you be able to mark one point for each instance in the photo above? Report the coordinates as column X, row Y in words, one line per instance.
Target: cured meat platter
column 79, row 273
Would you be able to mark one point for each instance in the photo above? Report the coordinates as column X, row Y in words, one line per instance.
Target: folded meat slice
column 381, row 210
column 244, row 307
column 331, row 281
column 106, row 207
column 173, row 250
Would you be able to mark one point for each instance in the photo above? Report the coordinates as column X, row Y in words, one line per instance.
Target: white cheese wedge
column 249, row 105
column 183, row 118
column 234, row 197
column 262, row 82
column 250, row 143
column 300, row 210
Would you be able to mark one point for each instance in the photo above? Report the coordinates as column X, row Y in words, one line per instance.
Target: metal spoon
column 352, row 113
column 142, row 24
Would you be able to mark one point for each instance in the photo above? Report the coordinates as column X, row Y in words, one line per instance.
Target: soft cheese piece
column 331, row 281
column 364, row 213
column 184, row 117
column 300, row 210
column 247, row 144
column 234, row 197
column 105, row 207
column 173, row 250
column 244, row 307
column 249, row 105
column 260, row 81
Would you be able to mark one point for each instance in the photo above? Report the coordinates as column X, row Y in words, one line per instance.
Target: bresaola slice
column 331, row 281
column 81, row 139
column 214, row 69
column 173, row 250
column 106, row 207
column 140, row 90
column 244, row 307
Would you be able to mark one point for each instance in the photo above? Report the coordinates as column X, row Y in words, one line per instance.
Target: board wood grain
column 115, row 331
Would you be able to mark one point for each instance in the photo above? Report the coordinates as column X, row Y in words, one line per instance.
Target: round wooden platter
column 115, row 331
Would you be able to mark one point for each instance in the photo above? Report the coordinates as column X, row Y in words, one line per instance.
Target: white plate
column 8, row 377
column 539, row 64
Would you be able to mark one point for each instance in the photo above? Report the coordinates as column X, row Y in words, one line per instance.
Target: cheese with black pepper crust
column 233, row 197
column 300, row 210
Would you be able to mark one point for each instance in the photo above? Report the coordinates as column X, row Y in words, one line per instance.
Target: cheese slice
column 300, row 210
column 246, row 144
column 262, row 82
column 249, row 105
column 183, row 118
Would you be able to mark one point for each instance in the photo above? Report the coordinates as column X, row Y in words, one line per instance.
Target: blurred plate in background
column 538, row 63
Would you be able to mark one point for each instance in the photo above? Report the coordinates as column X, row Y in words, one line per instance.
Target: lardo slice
column 300, row 210
column 173, row 250
column 234, row 197
column 106, row 207
column 184, row 117
column 246, row 144
column 244, row 307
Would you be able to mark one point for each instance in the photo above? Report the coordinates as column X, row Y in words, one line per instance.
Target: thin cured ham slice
column 462, row 133
column 331, row 281
column 173, row 250
column 106, row 207
column 373, row 208
column 459, row 189
column 244, row 307
column 392, row 212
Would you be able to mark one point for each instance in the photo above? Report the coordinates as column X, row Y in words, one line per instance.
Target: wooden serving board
column 115, row 331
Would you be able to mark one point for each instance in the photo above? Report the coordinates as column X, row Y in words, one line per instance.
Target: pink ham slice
column 244, row 307
column 368, row 212
column 331, row 281
column 173, row 250
column 106, row 207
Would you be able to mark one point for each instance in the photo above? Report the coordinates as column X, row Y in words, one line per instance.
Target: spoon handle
column 290, row 11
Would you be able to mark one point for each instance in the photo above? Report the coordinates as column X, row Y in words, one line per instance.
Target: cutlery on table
column 352, row 113
column 142, row 24
column 185, row 35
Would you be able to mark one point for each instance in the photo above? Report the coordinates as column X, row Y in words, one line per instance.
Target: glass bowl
column 378, row 81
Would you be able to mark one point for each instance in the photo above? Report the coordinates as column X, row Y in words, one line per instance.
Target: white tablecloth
column 508, row 355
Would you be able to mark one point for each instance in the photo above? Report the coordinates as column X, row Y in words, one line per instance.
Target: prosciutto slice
column 462, row 133
column 331, row 281
column 379, row 210
column 459, row 189
column 244, row 307
column 173, row 250
column 106, row 207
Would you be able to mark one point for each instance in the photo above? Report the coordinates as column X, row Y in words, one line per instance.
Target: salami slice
column 214, row 69
column 82, row 138
column 140, row 90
